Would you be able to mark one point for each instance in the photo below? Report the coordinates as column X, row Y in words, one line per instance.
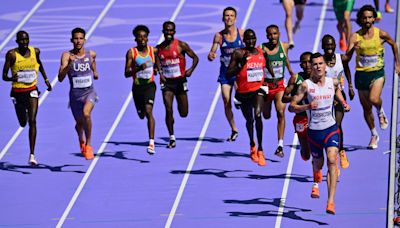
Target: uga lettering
column 81, row 66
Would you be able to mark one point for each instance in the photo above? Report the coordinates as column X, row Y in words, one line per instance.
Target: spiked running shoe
column 32, row 161
column 315, row 192
column 89, row 153
column 253, row 154
column 383, row 122
column 373, row 143
column 261, row 158
column 171, row 144
column 388, row 8
column 330, row 208
column 233, row 136
column 150, row 149
column 279, row 152
column 344, row 162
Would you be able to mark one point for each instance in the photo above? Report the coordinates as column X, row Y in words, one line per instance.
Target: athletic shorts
column 143, row 95
column 22, row 98
column 250, row 97
column 223, row 79
column 322, row 139
column 273, row 89
column 78, row 99
column 298, row 2
column 177, row 86
column 341, row 6
column 364, row 80
column 300, row 124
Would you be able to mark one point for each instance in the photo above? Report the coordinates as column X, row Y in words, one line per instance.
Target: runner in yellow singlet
column 370, row 74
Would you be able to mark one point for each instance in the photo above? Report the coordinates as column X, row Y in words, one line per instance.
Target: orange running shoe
column 82, row 145
column 388, row 8
column 253, row 154
column 342, row 42
column 315, row 192
column 261, row 158
column 89, row 153
column 318, row 176
column 330, row 208
column 378, row 16
column 344, row 162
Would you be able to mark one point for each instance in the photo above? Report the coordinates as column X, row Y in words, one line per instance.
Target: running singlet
column 227, row 48
column 172, row 62
column 323, row 116
column 278, row 64
column 80, row 73
column 251, row 76
column 26, row 69
column 370, row 54
column 337, row 71
column 145, row 76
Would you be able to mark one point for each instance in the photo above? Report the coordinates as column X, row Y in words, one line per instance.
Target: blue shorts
column 322, row 139
column 223, row 79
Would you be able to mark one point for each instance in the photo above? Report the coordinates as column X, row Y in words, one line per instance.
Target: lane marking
column 55, row 80
column 202, row 134
column 285, row 189
column 106, row 139
column 21, row 23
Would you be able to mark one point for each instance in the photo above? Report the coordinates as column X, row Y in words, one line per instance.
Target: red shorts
column 274, row 89
column 300, row 124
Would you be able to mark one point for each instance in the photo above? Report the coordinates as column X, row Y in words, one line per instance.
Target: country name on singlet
column 81, row 66
column 322, row 97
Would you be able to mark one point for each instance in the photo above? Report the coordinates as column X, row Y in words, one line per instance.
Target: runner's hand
column 314, row 104
column 95, row 75
column 211, row 56
column 351, row 92
column 49, row 87
column 162, row 79
column 188, row 72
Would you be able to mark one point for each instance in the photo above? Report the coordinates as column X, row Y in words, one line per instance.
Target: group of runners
column 255, row 72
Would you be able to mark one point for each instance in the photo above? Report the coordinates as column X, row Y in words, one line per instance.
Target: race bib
column 254, row 75
column 278, row 71
column 28, row 76
column 368, row 60
column 225, row 60
column 146, row 73
column 172, row 71
column 81, row 82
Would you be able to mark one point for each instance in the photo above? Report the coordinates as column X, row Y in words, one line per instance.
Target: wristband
column 46, row 80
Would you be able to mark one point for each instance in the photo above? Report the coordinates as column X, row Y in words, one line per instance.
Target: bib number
column 27, row 76
column 255, row 75
column 278, row 71
column 146, row 73
column 172, row 71
column 82, row 82
column 368, row 60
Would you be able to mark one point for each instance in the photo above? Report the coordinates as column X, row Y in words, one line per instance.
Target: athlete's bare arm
column 157, row 68
column 268, row 63
column 128, row 64
column 10, row 60
column 66, row 59
column 286, row 50
column 238, row 60
column 195, row 60
column 347, row 73
column 286, row 98
column 301, row 93
column 212, row 54
column 93, row 64
column 353, row 45
column 386, row 37
column 339, row 96
column 41, row 69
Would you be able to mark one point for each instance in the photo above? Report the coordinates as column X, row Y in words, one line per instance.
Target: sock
column 151, row 142
column 172, row 137
column 374, row 132
column 280, row 142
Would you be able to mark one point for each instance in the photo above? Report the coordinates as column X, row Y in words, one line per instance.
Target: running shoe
column 315, row 192
column 344, row 162
column 261, row 158
column 383, row 122
column 171, row 144
column 378, row 16
column 82, row 145
column 32, row 161
column 233, row 136
column 330, row 208
column 279, row 152
column 89, row 153
column 318, row 176
column 150, row 149
column 373, row 143
column 388, row 8
column 342, row 42
column 253, row 154
column 291, row 45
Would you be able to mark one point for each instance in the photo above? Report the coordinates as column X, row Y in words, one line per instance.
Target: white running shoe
column 150, row 149
column 32, row 160
column 384, row 123
column 373, row 143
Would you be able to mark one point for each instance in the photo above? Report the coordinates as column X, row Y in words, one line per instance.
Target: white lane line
column 21, row 23
column 55, row 80
column 202, row 134
column 285, row 189
column 105, row 141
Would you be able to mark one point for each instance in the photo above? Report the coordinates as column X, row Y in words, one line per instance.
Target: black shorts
column 250, row 97
column 298, row 2
column 177, row 86
column 22, row 98
column 143, row 95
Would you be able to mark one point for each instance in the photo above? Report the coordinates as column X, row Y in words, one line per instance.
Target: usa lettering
column 81, row 66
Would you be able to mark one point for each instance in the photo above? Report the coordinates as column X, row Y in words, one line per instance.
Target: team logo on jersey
column 223, row 44
column 86, row 59
column 281, row 55
column 312, row 90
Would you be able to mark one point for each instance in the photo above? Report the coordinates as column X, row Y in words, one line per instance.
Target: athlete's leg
column 304, row 148
column 339, row 114
column 267, row 109
column 288, row 7
column 183, row 104
column 332, row 176
column 150, row 120
column 280, row 112
column 247, row 111
column 21, row 111
column 367, row 108
column 226, row 91
column 376, row 100
column 168, row 97
column 87, row 121
column 299, row 16
column 258, row 106
column 32, row 112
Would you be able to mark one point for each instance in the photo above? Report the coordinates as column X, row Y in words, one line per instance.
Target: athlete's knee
column 32, row 123
column 86, row 115
column 183, row 114
column 281, row 114
column 375, row 100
